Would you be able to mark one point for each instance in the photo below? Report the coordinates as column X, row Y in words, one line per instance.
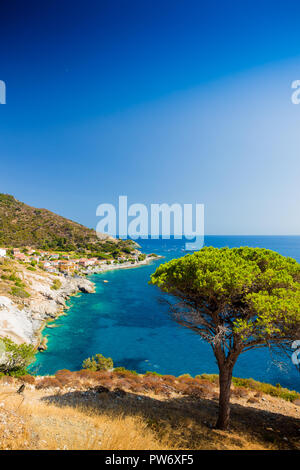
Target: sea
column 126, row 319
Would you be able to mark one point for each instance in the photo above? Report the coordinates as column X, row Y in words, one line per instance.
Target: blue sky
column 162, row 101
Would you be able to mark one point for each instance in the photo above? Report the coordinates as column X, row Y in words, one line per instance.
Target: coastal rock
column 85, row 286
column 44, row 308
column 23, row 324
column 43, row 345
column 15, row 324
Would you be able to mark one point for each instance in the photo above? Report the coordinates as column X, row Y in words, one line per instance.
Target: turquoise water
column 126, row 320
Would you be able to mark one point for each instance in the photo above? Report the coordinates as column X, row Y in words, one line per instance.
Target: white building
column 2, row 252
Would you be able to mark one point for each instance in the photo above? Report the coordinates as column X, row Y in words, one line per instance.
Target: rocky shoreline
column 24, row 322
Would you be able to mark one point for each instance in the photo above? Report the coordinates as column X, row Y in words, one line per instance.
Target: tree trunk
column 225, row 378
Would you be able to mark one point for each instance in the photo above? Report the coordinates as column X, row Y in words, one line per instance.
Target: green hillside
column 22, row 225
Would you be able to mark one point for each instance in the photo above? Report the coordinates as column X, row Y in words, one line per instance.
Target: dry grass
column 38, row 425
column 147, row 414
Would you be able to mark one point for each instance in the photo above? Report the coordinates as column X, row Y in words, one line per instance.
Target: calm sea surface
column 125, row 320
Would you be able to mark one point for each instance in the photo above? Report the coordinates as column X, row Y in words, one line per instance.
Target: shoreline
column 42, row 346
column 25, row 321
column 112, row 267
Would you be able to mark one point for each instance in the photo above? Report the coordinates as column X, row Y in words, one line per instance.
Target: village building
column 83, row 262
column 46, row 264
column 51, row 269
column 67, row 267
column 30, row 250
column 2, row 252
column 21, row 256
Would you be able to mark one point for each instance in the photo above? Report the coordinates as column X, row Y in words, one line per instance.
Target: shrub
column 48, row 382
column 123, row 372
column 169, row 379
column 98, row 362
column 156, row 374
column 65, row 377
column 200, row 391
column 16, row 357
column 7, row 379
column 136, row 388
column 56, row 284
column 87, row 374
column 28, row 379
column 19, row 292
column 213, row 378
column 154, row 384
column 275, row 391
column 187, row 380
column 252, row 400
column 259, row 387
column 120, row 369
column 239, row 392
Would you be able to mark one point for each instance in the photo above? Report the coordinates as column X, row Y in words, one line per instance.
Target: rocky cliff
column 23, row 321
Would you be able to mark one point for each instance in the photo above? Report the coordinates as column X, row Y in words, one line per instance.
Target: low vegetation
column 11, row 280
column 98, row 362
column 120, row 409
column 23, row 225
column 260, row 387
column 15, row 358
column 56, row 284
column 19, row 292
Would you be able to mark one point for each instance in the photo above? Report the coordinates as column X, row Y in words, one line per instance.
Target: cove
column 126, row 320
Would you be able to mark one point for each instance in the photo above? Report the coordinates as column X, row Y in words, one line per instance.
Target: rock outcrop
column 23, row 323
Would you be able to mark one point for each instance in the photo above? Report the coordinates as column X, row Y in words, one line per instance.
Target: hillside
column 125, row 411
column 23, row 225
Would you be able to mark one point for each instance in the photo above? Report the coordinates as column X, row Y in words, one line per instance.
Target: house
column 51, row 269
column 83, row 262
column 16, row 251
column 2, row 252
column 92, row 261
column 46, row 264
column 66, row 267
column 21, row 256
column 30, row 250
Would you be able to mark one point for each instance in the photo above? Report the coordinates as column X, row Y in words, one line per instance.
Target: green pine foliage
column 98, row 362
column 15, row 358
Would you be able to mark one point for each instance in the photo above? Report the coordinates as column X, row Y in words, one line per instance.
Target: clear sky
column 163, row 101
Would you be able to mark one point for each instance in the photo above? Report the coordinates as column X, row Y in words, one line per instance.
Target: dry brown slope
column 79, row 417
